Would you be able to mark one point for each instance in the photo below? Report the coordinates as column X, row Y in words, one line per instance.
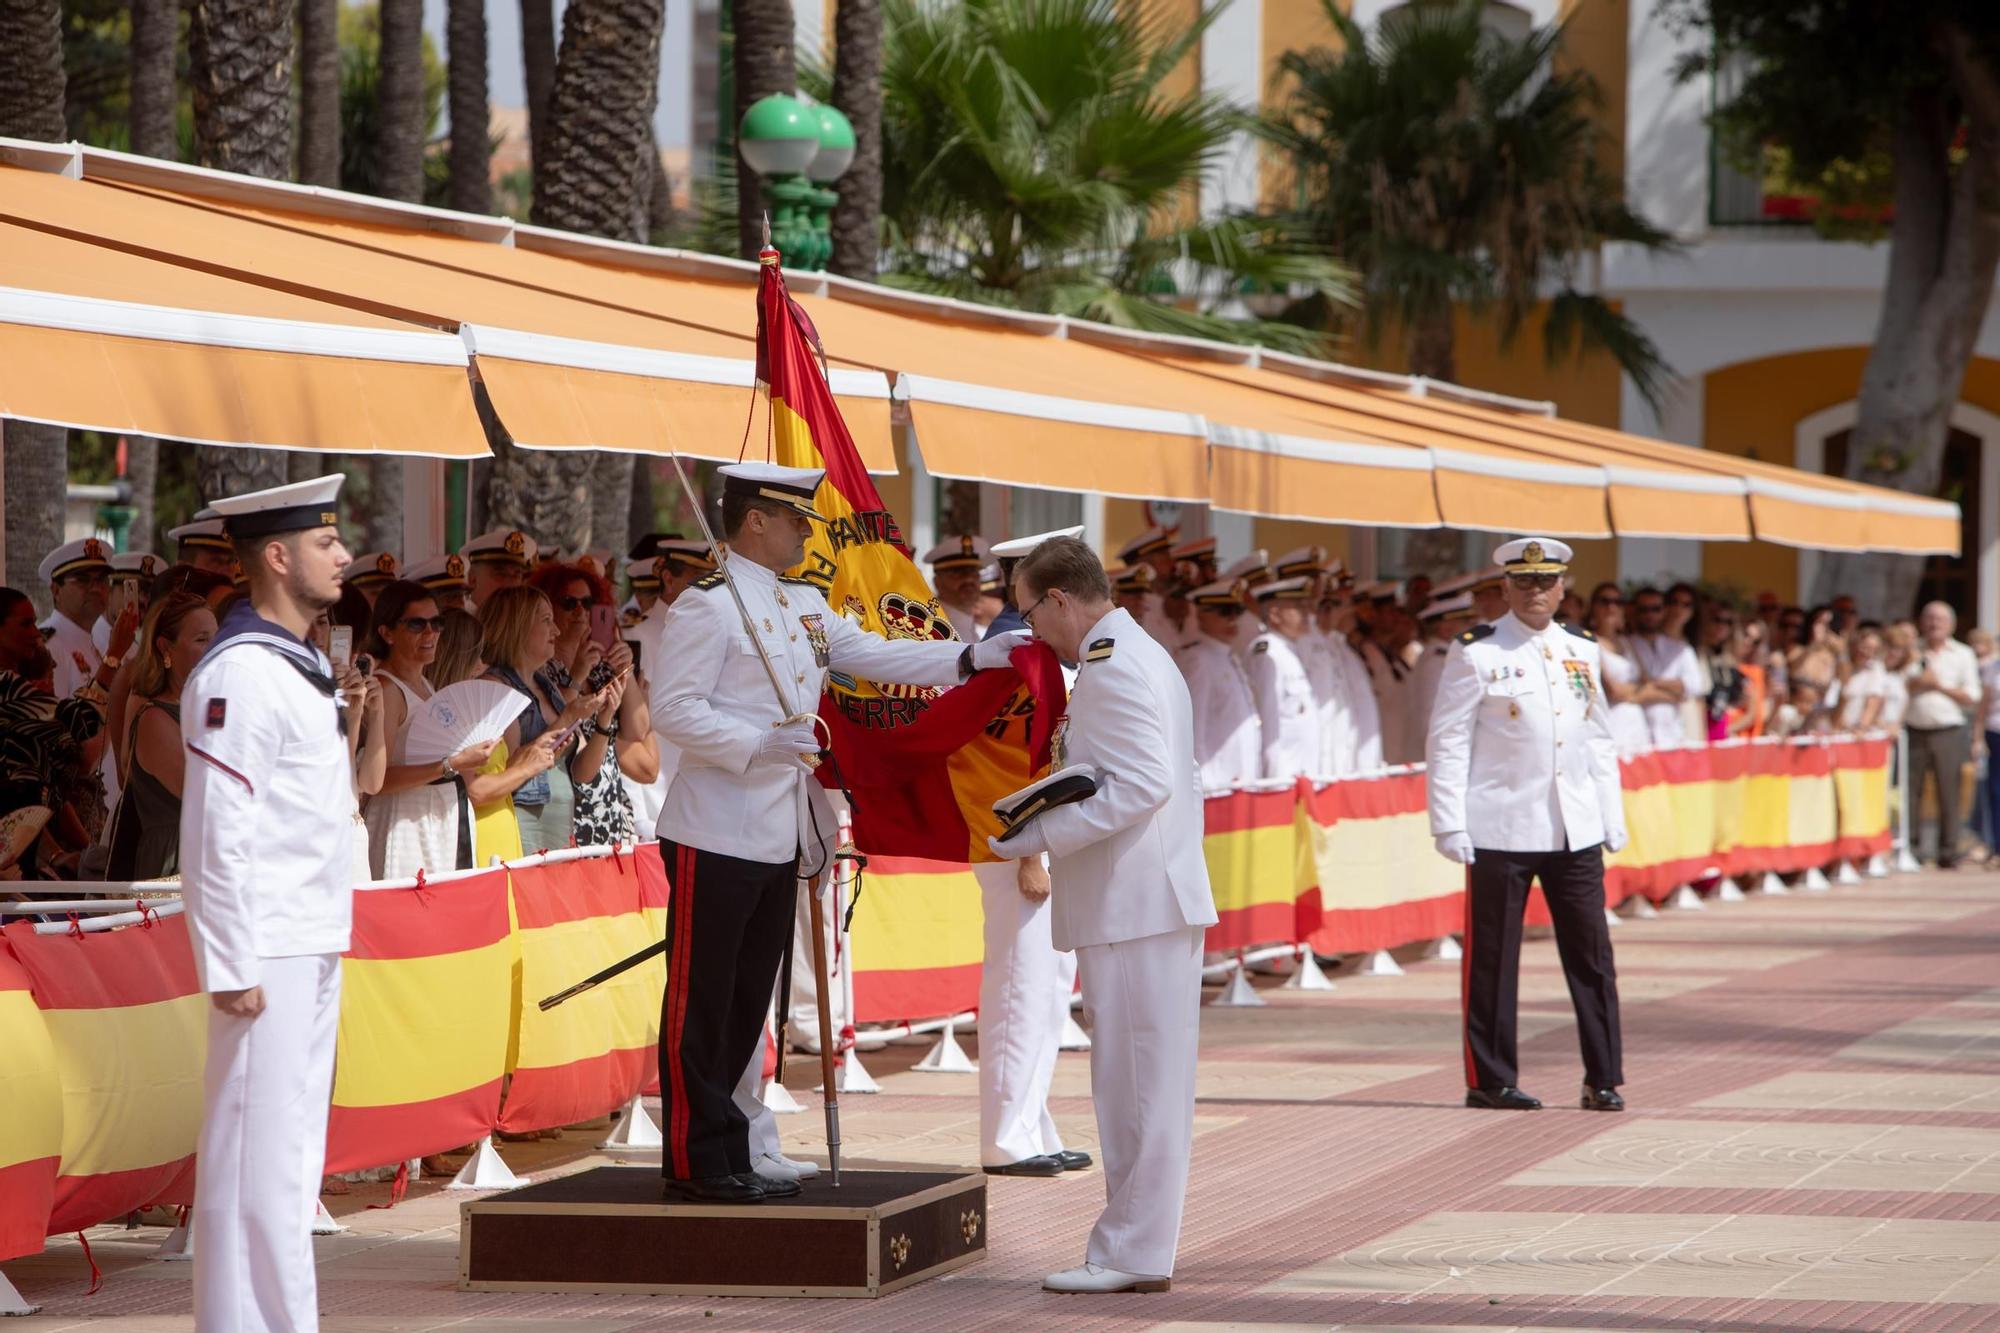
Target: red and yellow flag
column 924, row 766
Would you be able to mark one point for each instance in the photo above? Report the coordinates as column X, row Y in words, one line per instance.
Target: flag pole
column 832, row 1098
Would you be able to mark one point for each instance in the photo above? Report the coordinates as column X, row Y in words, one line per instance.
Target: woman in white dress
column 1622, row 686
column 413, row 821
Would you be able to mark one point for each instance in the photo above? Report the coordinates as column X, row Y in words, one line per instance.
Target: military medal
column 781, row 598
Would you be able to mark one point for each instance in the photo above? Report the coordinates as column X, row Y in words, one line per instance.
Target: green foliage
column 1456, row 166
column 360, row 38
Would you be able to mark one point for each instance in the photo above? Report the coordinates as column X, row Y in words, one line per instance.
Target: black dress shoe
column 1602, row 1099
column 713, row 1189
column 772, row 1187
column 1073, row 1160
column 1029, row 1166
column 1500, row 1099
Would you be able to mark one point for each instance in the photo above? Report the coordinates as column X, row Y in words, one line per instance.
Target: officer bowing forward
column 1524, row 787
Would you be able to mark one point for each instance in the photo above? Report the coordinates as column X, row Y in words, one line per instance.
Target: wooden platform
column 608, row 1230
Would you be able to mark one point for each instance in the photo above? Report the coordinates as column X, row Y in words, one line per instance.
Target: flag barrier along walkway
column 103, row 1031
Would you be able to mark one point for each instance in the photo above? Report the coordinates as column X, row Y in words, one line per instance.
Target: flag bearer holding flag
column 740, row 826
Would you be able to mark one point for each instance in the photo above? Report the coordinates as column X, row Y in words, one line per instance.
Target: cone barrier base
column 485, row 1170
column 1074, row 1038
column 1238, row 994
column 12, row 1302
column 1307, row 975
column 325, row 1223
column 1379, row 964
column 1816, row 881
column 778, row 1099
column 178, row 1247
column 635, row 1128
column 1729, row 891
column 1685, row 899
column 1444, row 949
column 852, row 1077
column 1637, row 908
column 1846, row 874
column 1612, row 920
column 1772, row 886
column 947, row 1057
column 1878, row 866
column 1906, row 864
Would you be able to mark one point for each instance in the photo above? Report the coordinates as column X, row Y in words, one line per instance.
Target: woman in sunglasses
column 413, row 819
column 1627, row 694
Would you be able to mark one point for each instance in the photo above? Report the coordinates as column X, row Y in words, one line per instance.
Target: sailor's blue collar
column 244, row 625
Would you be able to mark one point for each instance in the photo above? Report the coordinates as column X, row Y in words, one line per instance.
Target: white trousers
column 763, row 1124
column 1144, row 1001
column 268, row 1085
column 1024, row 993
column 803, row 1033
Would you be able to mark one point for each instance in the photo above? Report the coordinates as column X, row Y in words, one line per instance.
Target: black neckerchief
column 244, row 625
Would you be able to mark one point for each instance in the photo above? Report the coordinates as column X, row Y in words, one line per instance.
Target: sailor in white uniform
column 1524, row 787
column 1152, row 550
column 1253, row 571
column 1443, row 619
column 371, row 572
column 79, row 577
column 1228, row 734
column 1286, row 708
column 741, row 825
column 444, row 576
column 267, row 873
column 202, row 543
column 1132, row 898
column 1350, row 722
column 498, row 559
column 955, row 565
column 132, row 575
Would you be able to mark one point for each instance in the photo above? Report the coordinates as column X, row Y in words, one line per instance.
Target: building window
column 1947, row 578
column 1501, row 18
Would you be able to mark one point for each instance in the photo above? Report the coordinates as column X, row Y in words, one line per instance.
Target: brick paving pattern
column 1814, row 1143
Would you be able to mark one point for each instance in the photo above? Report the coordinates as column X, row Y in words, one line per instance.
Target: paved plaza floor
column 1814, row 1143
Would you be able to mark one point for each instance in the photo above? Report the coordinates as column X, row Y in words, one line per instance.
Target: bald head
column 1937, row 621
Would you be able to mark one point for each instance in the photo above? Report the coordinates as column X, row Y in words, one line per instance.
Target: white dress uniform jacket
column 1521, row 756
column 267, row 808
column 67, row 642
column 1228, row 736
column 1127, row 863
column 712, row 698
column 1424, row 678
column 1286, row 707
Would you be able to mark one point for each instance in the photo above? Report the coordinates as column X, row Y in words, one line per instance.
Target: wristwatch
column 112, row 661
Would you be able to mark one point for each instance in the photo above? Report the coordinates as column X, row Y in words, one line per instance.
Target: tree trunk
column 220, row 472
column 142, row 474
column 1944, row 248
column 660, row 202
column 642, row 514
column 37, row 463
column 600, row 119
column 31, row 75
column 763, row 64
column 543, row 492
column 155, row 37
column 319, row 92
column 857, row 94
column 471, row 114
column 1431, row 349
column 382, row 521
column 399, row 138
column 538, row 56
column 611, row 502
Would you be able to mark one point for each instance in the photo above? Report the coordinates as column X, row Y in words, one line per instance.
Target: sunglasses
column 419, row 624
column 572, row 603
column 1608, row 600
column 1539, row 582
column 1650, row 608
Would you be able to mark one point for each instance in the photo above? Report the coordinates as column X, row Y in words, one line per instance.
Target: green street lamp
column 798, row 149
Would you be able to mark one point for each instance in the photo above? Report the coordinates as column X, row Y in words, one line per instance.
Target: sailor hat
column 792, row 487
column 958, row 553
column 204, row 532
column 1533, row 555
column 297, row 507
column 1283, row 590
column 82, row 556
column 500, row 546
column 1063, row 787
column 368, row 570
column 1150, row 542
column 439, row 572
column 1015, row 548
column 130, row 566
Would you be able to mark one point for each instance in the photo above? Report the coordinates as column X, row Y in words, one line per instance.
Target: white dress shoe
column 1095, row 1280
column 777, row 1166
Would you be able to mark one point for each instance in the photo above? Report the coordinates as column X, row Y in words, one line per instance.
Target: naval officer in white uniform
column 1228, row 737
column 740, row 828
column 1131, row 896
column 1287, row 710
column 267, row 873
column 1524, row 787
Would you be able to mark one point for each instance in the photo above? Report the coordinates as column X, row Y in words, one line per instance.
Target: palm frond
column 1578, row 321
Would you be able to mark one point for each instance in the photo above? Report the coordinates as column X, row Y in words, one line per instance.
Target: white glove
column 1455, row 847
column 1616, row 839
column 988, row 654
column 1028, row 842
column 788, row 744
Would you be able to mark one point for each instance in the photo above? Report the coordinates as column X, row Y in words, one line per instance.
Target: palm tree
column 155, row 39
column 471, row 160
column 319, row 92
column 400, row 123
column 538, row 60
column 1454, row 166
column 36, row 456
column 1032, row 158
column 762, row 62
column 857, row 94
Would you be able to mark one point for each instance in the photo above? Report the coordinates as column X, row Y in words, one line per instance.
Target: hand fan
column 19, row 829
column 459, row 716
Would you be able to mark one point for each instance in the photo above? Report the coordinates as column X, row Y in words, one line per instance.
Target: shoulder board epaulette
column 804, row 583
column 712, row 579
column 1475, row 634
column 1579, row 632
column 1100, row 650
column 1260, row 646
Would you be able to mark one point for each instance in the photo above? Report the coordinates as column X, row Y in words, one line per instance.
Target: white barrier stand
column 1307, row 975
column 1845, row 873
column 1815, row 881
column 1074, row 1038
column 178, row 1247
column 1379, row 964
column 485, row 1171
column 1772, row 886
column 1685, row 899
column 1612, row 919
column 13, row 1302
column 947, row 1057
column 1878, row 866
column 325, row 1223
column 1907, row 864
column 1638, row 908
column 1729, row 891
column 854, row 1078
column 1444, row 949
column 635, row 1128
column 778, row 1099
column 1239, row 993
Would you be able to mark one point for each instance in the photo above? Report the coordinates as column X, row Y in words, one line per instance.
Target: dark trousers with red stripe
column 1496, row 896
column 727, row 923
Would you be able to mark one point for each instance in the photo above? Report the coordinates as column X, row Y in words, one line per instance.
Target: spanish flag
column 924, row 766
